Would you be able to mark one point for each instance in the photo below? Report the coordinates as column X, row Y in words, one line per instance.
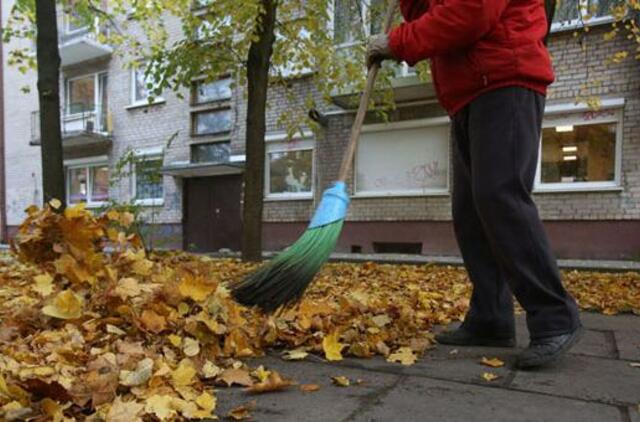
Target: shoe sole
column 545, row 360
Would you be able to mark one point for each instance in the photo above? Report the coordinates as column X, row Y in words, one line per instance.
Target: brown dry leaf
column 341, row 381
column 489, row 376
column 153, row 322
column 403, row 355
column 493, row 362
column 309, row 388
column 235, row 376
column 274, row 382
column 243, row 412
column 332, row 347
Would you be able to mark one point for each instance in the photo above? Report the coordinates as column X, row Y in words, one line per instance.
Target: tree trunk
column 48, row 56
column 258, row 64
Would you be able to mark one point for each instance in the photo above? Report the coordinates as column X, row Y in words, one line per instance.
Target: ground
column 95, row 328
column 595, row 382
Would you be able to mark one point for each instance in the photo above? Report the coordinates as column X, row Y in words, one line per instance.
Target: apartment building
column 587, row 187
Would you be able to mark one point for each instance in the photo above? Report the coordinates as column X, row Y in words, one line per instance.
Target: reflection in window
column 213, row 91
column 149, row 179
column 81, row 96
column 88, row 183
column 584, row 153
column 217, row 152
column 290, row 171
column 77, row 185
column 212, row 122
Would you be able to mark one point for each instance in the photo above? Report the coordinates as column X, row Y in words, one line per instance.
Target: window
column 148, row 184
column 217, row 152
column 403, row 159
column 356, row 20
column 289, row 170
column 141, row 86
column 572, row 13
column 580, row 151
column 81, row 95
column 88, row 183
column 212, row 122
column 73, row 23
column 206, row 92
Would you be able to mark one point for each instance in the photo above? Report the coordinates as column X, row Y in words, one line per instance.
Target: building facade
column 587, row 188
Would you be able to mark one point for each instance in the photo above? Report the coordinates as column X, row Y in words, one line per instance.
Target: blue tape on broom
column 333, row 206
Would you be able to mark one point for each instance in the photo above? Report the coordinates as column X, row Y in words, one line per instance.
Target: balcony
column 84, row 132
column 81, row 43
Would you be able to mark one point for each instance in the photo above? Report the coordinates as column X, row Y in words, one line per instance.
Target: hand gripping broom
column 282, row 281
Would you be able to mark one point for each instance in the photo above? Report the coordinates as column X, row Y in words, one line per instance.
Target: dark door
column 212, row 213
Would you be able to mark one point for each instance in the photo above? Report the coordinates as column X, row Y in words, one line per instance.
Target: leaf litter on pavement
column 95, row 328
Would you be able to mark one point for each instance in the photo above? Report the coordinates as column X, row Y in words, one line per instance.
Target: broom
column 283, row 280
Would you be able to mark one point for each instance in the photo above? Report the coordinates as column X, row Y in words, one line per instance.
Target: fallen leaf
column 210, row 370
column 488, row 376
column 297, row 354
column 44, row 284
column 493, row 362
column 341, row 381
column 403, row 355
column 332, row 347
column 184, row 373
column 261, row 373
column 236, row 376
column 153, row 322
column 196, row 288
column 191, row 347
column 122, row 411
column 139, row 376
column 381, row 320
column 309, row 388
column 160, row 406
column 274, row 382
column 66, row 305
column 242, row 412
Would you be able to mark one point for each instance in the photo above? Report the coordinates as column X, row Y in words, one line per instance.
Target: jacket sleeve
column 413, row 9
column 450, row 26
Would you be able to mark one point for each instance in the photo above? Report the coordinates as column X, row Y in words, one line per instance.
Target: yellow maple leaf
column 160, row 406
column 44, row 284
column 341, row 381
column 66, row 305
column 489, row 376
column 175, row 340
column 184, row 373
column 403, row 355
column 332, row 347
column 206, row 402
column 493, row 362
column 197, row 288
column 261, row 373
column 121, row 411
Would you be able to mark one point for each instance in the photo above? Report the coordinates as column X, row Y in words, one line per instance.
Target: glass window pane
column 406, row 161
column 77, row 181
column 141, row 85
column 74, row 22
column 584, row 153
column 347, row 21
column 290, row 171
column 212, row 122
column 211, row 153
column 82, row 95
column 567, row 10
column 213, row 91
column 599, row 8
column 149, row 179
column 99, row 183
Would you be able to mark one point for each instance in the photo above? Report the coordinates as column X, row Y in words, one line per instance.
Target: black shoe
column 548, row 349
column 463, row 337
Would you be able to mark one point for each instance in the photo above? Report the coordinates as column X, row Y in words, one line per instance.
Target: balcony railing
column 78, row 44
column 77, row 120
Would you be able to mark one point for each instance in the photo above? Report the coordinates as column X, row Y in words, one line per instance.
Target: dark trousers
column 503, row 243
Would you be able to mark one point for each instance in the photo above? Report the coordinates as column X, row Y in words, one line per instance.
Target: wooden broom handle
column 347, row 160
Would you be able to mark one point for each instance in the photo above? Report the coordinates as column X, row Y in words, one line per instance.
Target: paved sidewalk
column 596, row 382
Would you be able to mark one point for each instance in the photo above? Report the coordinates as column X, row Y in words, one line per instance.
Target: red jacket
column 475, row 45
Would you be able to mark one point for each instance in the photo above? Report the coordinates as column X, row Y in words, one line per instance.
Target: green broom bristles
column 284, row 279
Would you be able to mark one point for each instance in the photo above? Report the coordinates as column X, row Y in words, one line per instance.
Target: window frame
column 87, row 164
column 577, row 118
column 220, row 101
column 67, row 23
column 407, row 124
column 96, row 93
column 152, row 153
column 279, row 143
column 222, row 135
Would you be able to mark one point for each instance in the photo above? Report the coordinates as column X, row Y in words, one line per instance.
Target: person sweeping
column 491, row 69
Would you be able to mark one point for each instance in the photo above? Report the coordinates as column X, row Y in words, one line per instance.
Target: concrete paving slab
column 420, row 399
column 628, row 343
column 624, row 322
column 586, row 378
column 330, row 403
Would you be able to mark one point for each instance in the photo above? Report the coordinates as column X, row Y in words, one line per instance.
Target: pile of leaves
column 92, row 327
